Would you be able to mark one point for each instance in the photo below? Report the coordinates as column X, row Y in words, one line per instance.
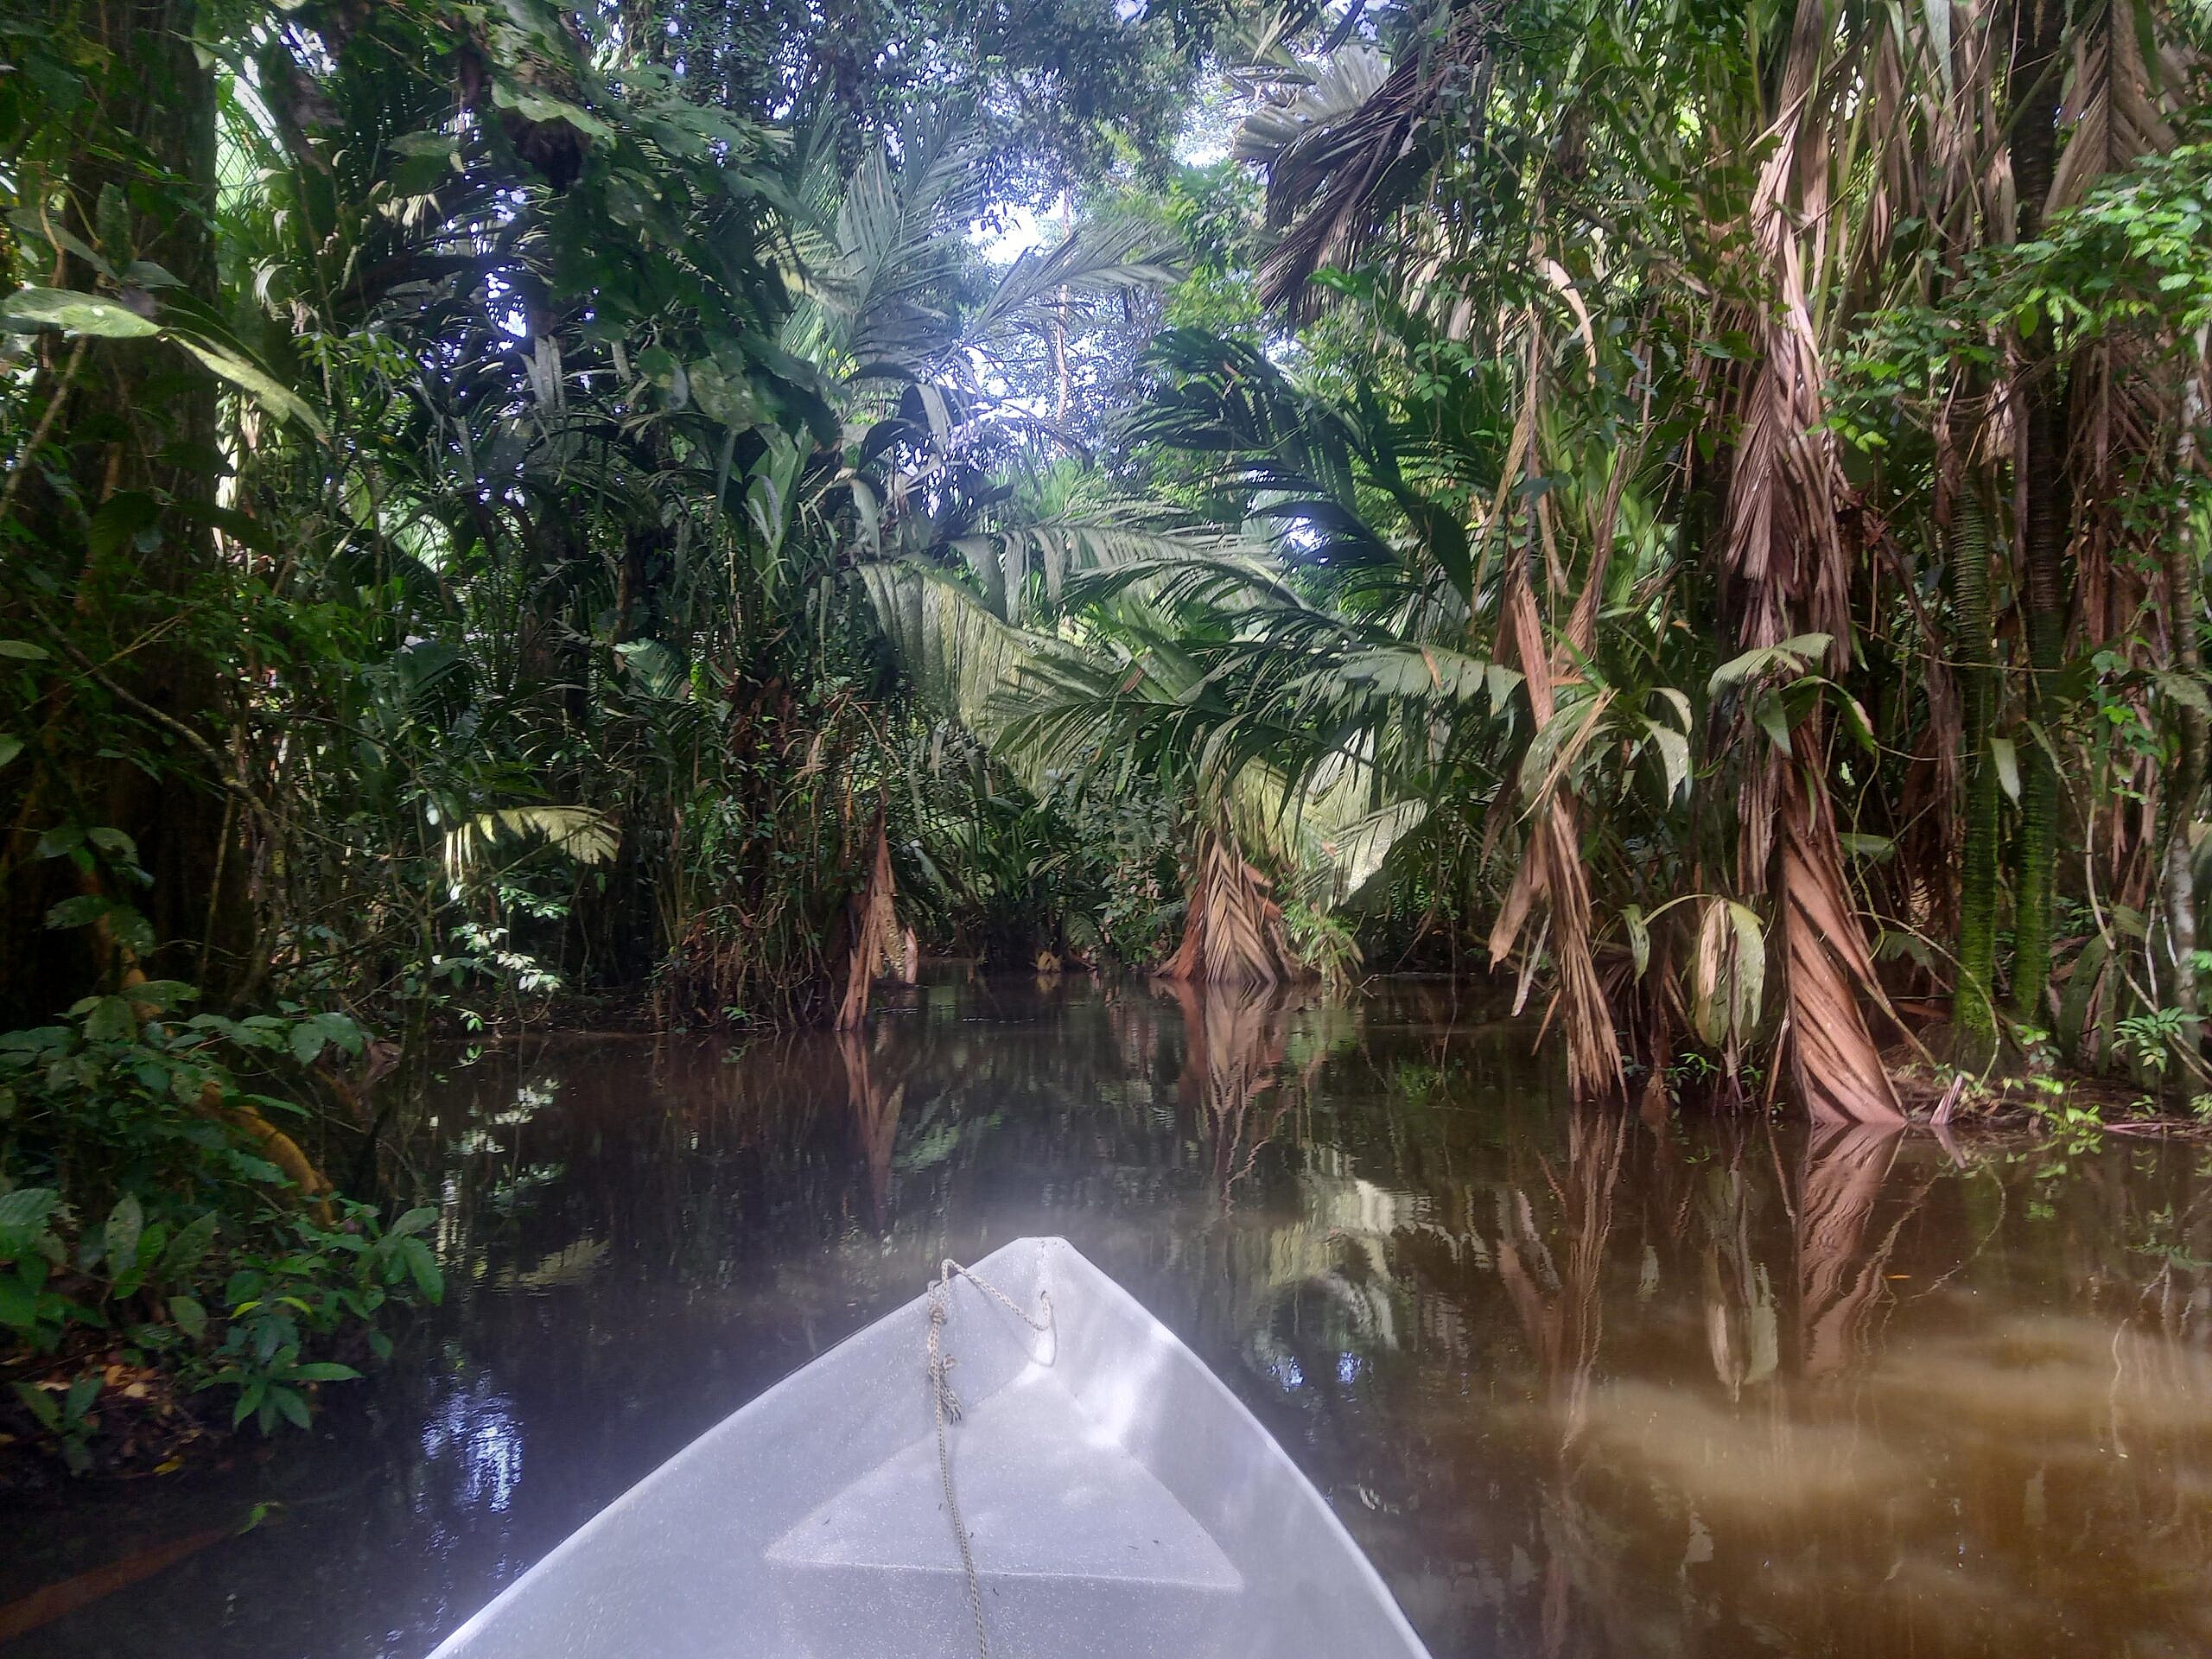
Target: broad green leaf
column 1751, row 964
column 278, row 399
column 9, row 748
column 414, row 1220
column 41, row 1405
column 1795, row 654
column 127, row 518
column 22, row 651
column 1864, row 846
column 290, row 1405
column 18, row 1304
column 79, row 1400
column 325, row 1370
column 159, row 992
column 81, row 314
column 124, row 1222
column 110, row 1021
column 422, row 1267
column 77, row 912
column 1774, row 720
column 1674, row 756
column 2183, row 689
column 131, row 929
column 311, row 1036
column 1679, row 701
column 188, row 1314
column 533, row 107
column 25, row 1209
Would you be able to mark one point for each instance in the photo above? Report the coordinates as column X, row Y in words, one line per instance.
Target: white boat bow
column 1119, row 1503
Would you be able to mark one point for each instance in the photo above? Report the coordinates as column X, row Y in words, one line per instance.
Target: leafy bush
column 1324, row 943
column 153, row 1218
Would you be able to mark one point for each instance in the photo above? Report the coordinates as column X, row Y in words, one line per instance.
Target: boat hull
column 1120, row 1501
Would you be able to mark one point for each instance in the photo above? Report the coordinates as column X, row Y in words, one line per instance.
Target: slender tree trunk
column 1974, row 1010
column 2033, row 85
column 2185, row 605
column 2186, row 782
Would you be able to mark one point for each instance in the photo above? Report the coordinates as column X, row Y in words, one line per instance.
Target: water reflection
column 1581, row 1383
column 1840, row 1283
column 474, row 1432
column 874, row 1108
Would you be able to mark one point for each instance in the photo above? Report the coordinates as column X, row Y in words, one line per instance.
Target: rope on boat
column 946, row 1405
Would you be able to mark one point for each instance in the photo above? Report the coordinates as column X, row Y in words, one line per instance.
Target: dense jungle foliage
column 665, row 510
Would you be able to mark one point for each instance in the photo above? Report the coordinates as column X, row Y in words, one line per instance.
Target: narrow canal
column 1580, row 1385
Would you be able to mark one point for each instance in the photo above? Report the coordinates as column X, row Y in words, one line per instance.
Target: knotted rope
column 946, row 1405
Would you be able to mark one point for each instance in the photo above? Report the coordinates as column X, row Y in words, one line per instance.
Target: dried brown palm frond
column 1552, row 870
column 1233, row 932
column 1785, row 573
column 879, row 943
column 1837, row 1070
column 1350, row 149
column 2123, row 408
column 2123, row 107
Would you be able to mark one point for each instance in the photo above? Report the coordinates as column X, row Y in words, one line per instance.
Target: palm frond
column 1071, row 545
column 1107, row 257
column 960, row 655
column 1347, row 152
column 583, row 833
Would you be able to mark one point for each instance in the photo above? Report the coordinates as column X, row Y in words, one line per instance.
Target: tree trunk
column 1972, row 1005
column 2033, row 85
column 2184, row 607
column 120, row 561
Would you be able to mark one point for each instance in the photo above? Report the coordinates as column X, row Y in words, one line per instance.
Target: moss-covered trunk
column 2185, row 782
column 1973, row 647
column 2034, row 82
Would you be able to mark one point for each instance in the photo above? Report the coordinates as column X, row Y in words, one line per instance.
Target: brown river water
column 1578, row 1385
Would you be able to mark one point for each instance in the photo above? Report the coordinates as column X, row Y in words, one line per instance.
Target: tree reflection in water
column 1581, row 1382
column 1230, row 1082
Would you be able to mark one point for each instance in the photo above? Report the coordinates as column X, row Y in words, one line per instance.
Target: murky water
column 1578, row 1386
